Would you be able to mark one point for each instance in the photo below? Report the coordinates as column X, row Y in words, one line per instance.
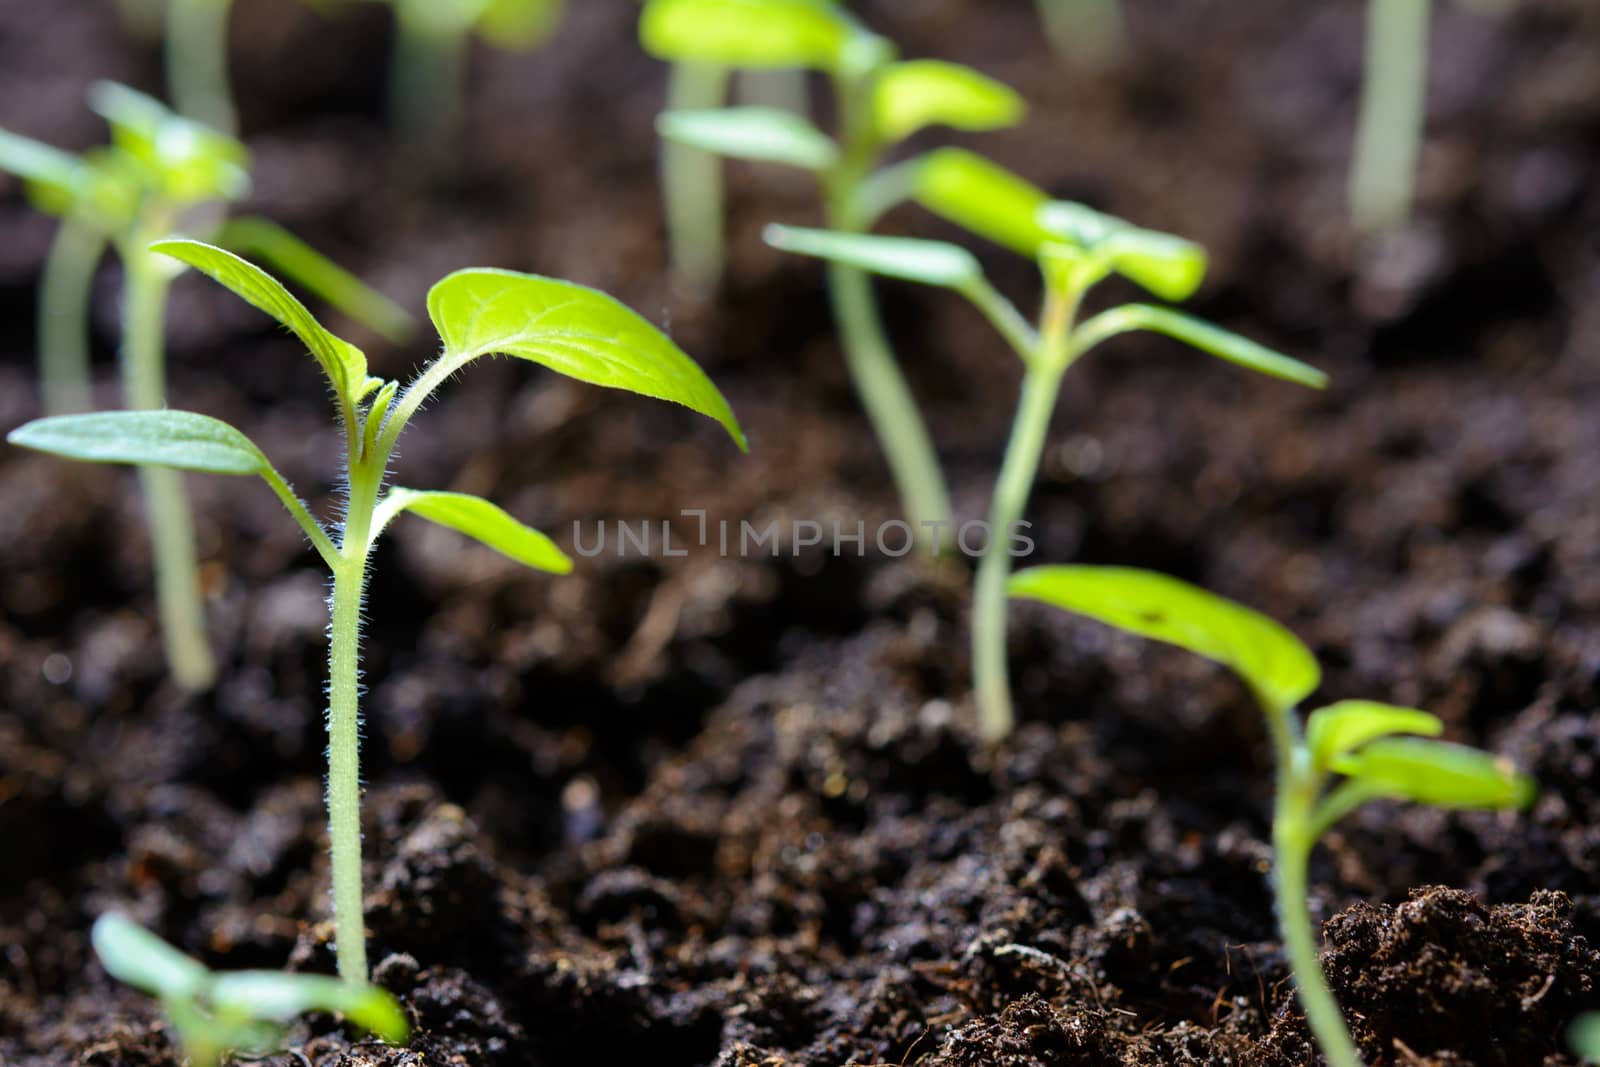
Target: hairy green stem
column 178, row 598
column 66, row 289
column 344, row 723
column 427, row 78
column 1087, row 33
column 691, row 182
column 197, row 62
column 1393, row 102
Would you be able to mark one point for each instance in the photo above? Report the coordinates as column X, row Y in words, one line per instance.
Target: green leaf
column 518, row 25
column 753, row 34
column 928, row 262
column 574, row 330
column 764, row 134
column 1170, row 267
column 179, row 439
column 483, row 521
column 1344, row 727
column 344, row 363
column 279, row 997
column 188, row 162
column 318, row 274
column 1210, row 339
column 1275, row 664
column 133, row 955
column 51, row 174
column 927, row 92
column 1439, row 773
column 982, row 197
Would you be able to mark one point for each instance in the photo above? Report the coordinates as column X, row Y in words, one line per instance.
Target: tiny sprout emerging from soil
column 1346, row 754
column 161, row 172
column 881, row 102
column 215, row 1013
column 1076, row 248
column 573, row 330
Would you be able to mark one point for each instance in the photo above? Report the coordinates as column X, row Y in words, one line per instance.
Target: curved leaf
column 1170, row 267
column 279, row 997
column 764, row 134
column 133, row 955
column 926, row 92
column 982, row 197
column 188, row 161
column 1344, row 727
column 179, row 439
column 51, row 175
column 1275, row 664
column 753, row 34
column 928, row 262
column 1210, row 339
column 573, row 330
column 344, row 363
column 1439, row 773
column 517, row 25
column 483, row 521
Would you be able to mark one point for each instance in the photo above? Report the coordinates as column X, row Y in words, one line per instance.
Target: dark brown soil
column 722, row 811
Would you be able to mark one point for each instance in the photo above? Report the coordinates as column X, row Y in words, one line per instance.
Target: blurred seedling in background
column 216, row 1013
column 1076, row 248
column 573, row 330
column 1346, row 755
column 1585, row 1037
column 1088, row 34
column 881, row 102
column 160, row 173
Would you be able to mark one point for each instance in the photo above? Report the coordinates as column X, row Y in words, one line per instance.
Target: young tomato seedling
column 215, row 1013
column 160, row 173
column 881, row 102
column 1347, row 754
column 571, row 329
column 1076, row 248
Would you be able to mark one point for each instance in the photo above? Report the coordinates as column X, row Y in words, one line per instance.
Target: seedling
column 196, row 52
column 1076, row 248
column 1347, row 754
column 1393, row 107
column 215, row 1013
column 161, row 172
column 571, row 329
column 881, row 102
column 1087, row 33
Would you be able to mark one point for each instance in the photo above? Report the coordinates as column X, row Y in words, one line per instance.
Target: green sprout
column 1347, row 754
column 161, row 172
column 1585, row 1037
column 1076, row 248
column 1393, row 108
column 881, row 102
column 216, row 1012
column 1087, row 33
column 196, row 53
column 573, row 330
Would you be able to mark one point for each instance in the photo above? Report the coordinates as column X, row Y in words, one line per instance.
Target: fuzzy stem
column 691, row 182
column 427, row 77
column 1087, row 33
column 344, row 724
column 183, row 628
column 65, row 292
column 197, row 62
column 1393, row 103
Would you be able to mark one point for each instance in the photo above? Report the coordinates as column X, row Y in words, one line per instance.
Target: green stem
column 1041, row 385
column 344, row 724
column 691, row 182
column 197, row 62
column 65, row 297
column 1393, row 102
column 427, row 80
column 1087, row 33
column 178, row 597
column 1291, row 860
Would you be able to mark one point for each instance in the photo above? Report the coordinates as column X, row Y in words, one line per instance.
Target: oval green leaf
column 1272, row 661
column 929, row 92
column 928, row 262
column 518, row 25
column 187, row 161
column 483, row 521
column 1210, row 339
column 1170, row 267
column 344, row 363
column 754, row 34
column 1345, row 726
column 763, row 134
column 51, row 174
column 279, row 997
column 179, row 439
column 1439, row 773
column 982, row 197
column 574, row 330
column 133, row 955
